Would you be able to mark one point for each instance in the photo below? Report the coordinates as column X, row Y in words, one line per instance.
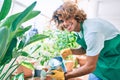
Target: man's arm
column 89, row 67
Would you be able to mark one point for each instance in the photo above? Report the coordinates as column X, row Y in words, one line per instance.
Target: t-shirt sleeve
column 94, row 42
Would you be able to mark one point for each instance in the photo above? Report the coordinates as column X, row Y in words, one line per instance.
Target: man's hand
column 57, row 75
column 66, row 52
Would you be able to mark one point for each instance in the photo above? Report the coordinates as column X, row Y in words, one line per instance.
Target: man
column 99, row 40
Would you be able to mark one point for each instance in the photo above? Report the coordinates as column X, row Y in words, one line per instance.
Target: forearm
column 81, row 71
column 78, row 51
column 89, row 67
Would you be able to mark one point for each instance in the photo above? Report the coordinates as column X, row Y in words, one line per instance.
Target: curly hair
column 66, row 11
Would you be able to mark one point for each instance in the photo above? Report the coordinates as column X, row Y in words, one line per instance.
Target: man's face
column 70, row 24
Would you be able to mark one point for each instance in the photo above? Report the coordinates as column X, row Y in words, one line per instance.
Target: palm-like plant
column 10, row 30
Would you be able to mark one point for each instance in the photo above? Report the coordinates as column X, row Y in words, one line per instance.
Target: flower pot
column 69, row 65
column 22, row 69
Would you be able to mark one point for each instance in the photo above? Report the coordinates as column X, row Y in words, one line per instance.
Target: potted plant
column 26, row 68
column 11, row 31
column 59, row 40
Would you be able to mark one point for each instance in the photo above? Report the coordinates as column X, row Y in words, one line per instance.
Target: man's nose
column 64, row 23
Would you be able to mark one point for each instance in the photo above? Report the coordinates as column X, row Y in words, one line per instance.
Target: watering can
column 56, row 62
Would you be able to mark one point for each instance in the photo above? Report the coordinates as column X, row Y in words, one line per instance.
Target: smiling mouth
column 69, row 28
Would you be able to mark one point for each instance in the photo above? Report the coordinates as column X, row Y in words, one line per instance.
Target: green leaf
column 23, row 53
column 35, row 38
column 27, row 65
column 21, row 31
column 35, row 49
column 5, row 9
column 4, row 35
column 21, row 44
column 8, row 56
column 31, row 15
column 17, row 22
column 8, row 21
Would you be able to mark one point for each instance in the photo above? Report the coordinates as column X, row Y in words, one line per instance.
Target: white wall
column 47, row 7
column 110, row 10
column 106, row 9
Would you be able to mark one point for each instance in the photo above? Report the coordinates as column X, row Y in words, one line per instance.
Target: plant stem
column 4, row 74
column 1, row 68
column 12, row 71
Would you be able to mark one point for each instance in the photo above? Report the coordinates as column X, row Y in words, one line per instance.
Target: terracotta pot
column 22, row 69
column 69, row 65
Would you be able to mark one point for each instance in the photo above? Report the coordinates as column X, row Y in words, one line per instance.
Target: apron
column 108, row 64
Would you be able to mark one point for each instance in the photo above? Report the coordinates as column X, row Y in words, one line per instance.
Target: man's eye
column 61, row 21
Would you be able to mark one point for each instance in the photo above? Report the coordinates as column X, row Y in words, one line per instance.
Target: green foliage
column 64, row 40
column 17, row 22
column 61, row 40
column 9, row 20
column 36, row 38
column 3, row 41
column 5, row 9
column 12, row 36
column 44, row 58
column 8, row 55
column 13, row 30
column 57, row 41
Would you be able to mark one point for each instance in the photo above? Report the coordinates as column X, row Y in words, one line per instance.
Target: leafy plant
column 12, row 41
column 57, row 41
column 61, row 39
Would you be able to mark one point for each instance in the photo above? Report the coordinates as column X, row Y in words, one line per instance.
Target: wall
column 109, row 9
column 106, row 9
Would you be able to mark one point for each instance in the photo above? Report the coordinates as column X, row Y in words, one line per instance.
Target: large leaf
column 4, row 35
column 21, row 31
column 19, row 20
column 5, row 9
column 8, row 55
column 31, row 15
column 35, row 38
column 8, row 21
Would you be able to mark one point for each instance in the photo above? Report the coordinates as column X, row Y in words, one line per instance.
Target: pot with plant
column 61, row 40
